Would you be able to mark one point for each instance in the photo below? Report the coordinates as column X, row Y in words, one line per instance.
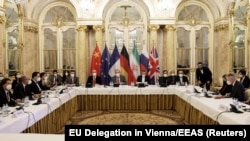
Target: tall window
column 59, row 40
column 13, row 50
column 192, row 39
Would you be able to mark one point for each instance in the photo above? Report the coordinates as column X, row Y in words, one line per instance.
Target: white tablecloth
column 209, row 106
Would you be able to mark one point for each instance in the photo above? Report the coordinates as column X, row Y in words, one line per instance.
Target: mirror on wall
column 12, row 38
column 239, row 35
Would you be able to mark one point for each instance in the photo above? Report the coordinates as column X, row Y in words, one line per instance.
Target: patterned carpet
column 168, row 117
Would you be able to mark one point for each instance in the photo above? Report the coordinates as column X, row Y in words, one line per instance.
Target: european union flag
column 105, row 66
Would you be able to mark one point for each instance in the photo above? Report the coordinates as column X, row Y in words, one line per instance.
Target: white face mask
column 18, row 76
column 172, row 74
column 8, row 87
column 45, row 78
column 29, row 82
column 117, row 74
column 72, row 75
column 38, row 79
column 229, row 83
column 66, row 74
column 55, row 74
column 143, row 75
column 94, row 74
column 181, row 75
column 1, row 78
column 165, row 75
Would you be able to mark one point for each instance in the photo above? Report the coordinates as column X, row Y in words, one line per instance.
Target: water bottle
column 186, row 84
column 26, row 101
column 5, row 110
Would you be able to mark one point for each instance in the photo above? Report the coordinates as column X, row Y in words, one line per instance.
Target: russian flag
column 144, row 59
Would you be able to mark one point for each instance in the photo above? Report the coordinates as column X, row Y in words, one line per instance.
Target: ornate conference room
column 151, row 46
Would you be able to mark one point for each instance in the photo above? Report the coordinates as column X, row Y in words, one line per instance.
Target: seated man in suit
column 55, row 79
column 72, row 80
column 22, row 90
column 94, row 79
column 225, row 87
column 34, row 86
column 163, row 79
column 181, row 78
column 5, row 93
column 172, row 78
column 238, row 90
column 43, row 83
column 143, row 78
column 244, row 79
column 118, row 78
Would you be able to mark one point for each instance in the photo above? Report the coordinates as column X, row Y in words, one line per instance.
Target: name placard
column 18, row 113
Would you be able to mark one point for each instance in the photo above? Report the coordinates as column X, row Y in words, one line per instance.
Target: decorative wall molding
column 169, row 27
column 82, row 28
column 2, row 19
column 30, row 29
column 221, row 27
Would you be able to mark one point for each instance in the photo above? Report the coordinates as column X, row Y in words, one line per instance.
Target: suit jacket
column 35, row 88
column 20, row 92
column 147, row 79
column 42, row 86
column 238, row 91
column 55, row 80
column 15, row 82
column 163, row 80
column 74, row 81
column 172, row 80
column 4, row 100
column 184, row 79
column 122, row 80
column 225, row 88
column 245, row 81
column 205, row 76
column 98, row 80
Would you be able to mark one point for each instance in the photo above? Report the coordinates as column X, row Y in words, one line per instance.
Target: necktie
column 8, row 96
column 117, row 80
column 38, row 87
column 72, row 80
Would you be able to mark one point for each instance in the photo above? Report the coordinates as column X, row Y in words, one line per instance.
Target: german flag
column 125, row 66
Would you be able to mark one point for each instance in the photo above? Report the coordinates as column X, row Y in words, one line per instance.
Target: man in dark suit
column 5, row 93
column 203, row 76
column 143, row 78
column 34, row 86
column 244, row 79
column 172, row 78
column 238, row 90
column 225, row 87
column 55, row 79
column 118, row 78
column 163, row 79
column 1, row 76
column 72, row 80
column 94, row 79
column 22, row 90
column 181, row 78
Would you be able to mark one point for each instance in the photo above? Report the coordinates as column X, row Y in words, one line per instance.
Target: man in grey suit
column 55, row 79
column 118, row 78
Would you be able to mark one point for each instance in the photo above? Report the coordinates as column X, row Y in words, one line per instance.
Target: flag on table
column 134, row 64
column 153, row 66
column 125, row 67
column 105, row 66
column 114, row 61
column 96, row 60
column 144, row 59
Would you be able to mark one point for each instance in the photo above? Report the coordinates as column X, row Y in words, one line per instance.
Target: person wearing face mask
column 22, row 89
column 225, row 87
column 238, row 90
column 203, row 76
column 163, row 79
column 118, row 78
column 143, row 78
column 72, row 80
column 66, row 74
column 1, row 77
column 5, row 93
column 44, row 84
column 34, row 86
column 55, row 79
column 94, row 79
column 16, row 80
column 244, row 79
column 181, row 78
column 172, row 79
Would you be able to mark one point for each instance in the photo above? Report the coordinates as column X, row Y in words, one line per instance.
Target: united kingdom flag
column 153, row 66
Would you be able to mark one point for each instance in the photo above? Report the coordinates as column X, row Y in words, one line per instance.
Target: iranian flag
column 134, row 64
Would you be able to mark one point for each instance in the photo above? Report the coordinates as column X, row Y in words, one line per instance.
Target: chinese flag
column 96, row 61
